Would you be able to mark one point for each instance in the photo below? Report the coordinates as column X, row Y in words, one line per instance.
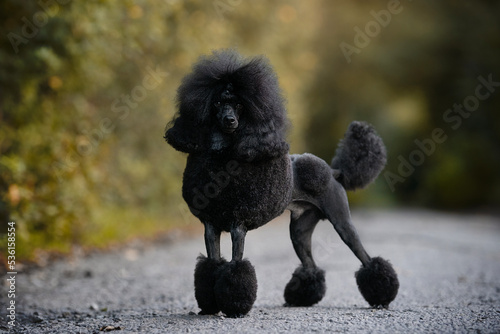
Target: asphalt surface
column 448, row 267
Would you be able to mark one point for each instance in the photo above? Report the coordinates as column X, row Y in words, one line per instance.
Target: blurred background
column 87, row 87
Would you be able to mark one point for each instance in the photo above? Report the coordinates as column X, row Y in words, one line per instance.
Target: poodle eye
column 239, row 106
column 217, row 104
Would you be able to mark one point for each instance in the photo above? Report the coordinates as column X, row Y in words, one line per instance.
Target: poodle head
column 227, row 110
column 231, row 105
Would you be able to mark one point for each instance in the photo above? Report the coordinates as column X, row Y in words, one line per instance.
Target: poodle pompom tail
column 378, row 282
column 360, row 157
column 236, row 288
column 306, row 288
column 204, row 282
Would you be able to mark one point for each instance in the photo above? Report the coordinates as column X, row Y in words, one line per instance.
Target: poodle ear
column 184, row 135
column 265, row 125
column 261, row 142
column 189, row 130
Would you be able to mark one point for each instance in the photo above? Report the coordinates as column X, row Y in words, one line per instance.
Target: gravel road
column 448, row 267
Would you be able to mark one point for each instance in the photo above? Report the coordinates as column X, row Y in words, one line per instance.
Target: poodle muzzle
column 229, row 119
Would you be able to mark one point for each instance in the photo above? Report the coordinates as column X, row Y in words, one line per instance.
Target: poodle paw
column 204, row 282
column 378, row 283
column 306, row 288
column 236, row 288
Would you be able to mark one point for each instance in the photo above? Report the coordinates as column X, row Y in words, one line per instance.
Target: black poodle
column 239, row 175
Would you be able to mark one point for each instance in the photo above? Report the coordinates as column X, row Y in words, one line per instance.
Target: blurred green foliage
column 87, row 87
column 86, row 91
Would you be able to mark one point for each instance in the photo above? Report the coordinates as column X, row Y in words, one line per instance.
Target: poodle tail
column 360, row 156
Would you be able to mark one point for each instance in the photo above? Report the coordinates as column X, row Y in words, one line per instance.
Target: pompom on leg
column 236, row 288
column 205, row 276
column 306, row 288
column 378, row 282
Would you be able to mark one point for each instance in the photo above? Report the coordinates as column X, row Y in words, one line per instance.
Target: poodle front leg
column 236, row 285
column 238, row 234
column 206, row 272
column 212, row 242
column 307, row 285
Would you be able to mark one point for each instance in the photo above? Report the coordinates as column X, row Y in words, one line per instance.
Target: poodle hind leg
column 307, row 285
column 377, row 281
column 236, row 285
column 205, row 273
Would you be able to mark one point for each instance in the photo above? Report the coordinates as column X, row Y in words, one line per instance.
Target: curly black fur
column 360, row 157
column 311, row 174
column 306, row 288
column 236, row 288
column 252, row 193
column 378, row 282
column 204, row 282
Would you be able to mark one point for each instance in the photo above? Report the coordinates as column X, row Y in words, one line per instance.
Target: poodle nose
column 229, row 121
